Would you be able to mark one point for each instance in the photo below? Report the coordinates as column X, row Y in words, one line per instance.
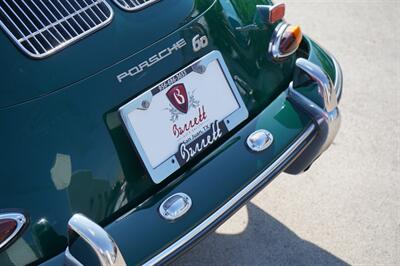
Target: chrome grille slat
column 86, row 15
column 18, row 29
column 41, row 23
column 23, row 24
column 134, row 5
column 64, row 18
column 54, row 17
column 33, row 24
column 43, row 27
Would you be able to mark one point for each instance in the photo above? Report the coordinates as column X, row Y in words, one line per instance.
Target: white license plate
column 184, row 115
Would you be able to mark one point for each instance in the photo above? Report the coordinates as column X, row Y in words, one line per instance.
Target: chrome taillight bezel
column 21, row 221
column 274, row 45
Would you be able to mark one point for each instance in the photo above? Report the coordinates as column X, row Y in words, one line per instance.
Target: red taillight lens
column 290, row 40
column 7, row 228
column 11, row 223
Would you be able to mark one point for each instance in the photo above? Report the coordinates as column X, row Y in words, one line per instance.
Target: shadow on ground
column 280, row 246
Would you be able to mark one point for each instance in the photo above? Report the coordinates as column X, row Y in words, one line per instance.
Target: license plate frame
column 215, row 130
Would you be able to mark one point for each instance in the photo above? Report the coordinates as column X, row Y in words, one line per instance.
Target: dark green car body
column 65, row 150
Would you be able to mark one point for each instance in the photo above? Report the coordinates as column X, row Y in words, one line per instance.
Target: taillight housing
column 10, row 225
column 285, row 41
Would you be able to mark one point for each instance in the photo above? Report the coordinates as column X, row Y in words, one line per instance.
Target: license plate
column 184, row 115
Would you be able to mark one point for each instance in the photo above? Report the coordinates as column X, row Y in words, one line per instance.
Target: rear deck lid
column 24, row 78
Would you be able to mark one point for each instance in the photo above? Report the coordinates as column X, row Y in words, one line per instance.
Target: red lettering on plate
column 180, row 130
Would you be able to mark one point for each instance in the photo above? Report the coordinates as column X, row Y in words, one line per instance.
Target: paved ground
column 346, row 209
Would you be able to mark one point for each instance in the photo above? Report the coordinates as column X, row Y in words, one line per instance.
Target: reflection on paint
column 61, row 171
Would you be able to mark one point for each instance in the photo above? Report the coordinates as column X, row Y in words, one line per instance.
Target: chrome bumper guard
column 105, row 248
column 325, row 116
column 326, row 121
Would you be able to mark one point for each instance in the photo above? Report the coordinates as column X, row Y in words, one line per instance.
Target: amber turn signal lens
column 290, row 40
column 7, row 228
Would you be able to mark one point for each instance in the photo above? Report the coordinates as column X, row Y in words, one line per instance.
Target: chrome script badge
column 152, row 60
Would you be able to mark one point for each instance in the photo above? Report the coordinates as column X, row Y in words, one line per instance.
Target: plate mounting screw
column 145, row 104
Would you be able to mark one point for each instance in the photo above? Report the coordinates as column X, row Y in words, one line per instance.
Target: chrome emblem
column 154, row 59
column 260, row 140
column 199, row 42
column 175, row 206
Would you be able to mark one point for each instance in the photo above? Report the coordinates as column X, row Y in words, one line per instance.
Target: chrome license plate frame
column 134, row 116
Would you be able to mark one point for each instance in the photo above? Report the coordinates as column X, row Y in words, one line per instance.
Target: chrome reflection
column 61, row 171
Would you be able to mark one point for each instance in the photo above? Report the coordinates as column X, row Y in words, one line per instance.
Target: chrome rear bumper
column 310, row 144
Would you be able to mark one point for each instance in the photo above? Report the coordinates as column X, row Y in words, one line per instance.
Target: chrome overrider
column 324, row 111
column 326, row 118
column 99, row 240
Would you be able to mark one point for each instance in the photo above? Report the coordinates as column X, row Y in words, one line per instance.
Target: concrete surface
column 346, row 208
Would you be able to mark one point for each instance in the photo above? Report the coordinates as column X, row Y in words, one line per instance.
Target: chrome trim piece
column 37, row 29
column 276, row 41
column 259, row 140
column 175, row 206
column 326, row 89
column 19, row 218
column 134, row 5
column 327, row 117
column 338, row 81
column 213, row 217
column 99, row 240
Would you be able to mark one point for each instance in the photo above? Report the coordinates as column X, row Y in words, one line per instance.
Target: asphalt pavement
column 346, row 208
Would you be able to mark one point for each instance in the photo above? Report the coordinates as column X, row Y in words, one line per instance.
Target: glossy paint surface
column 127, row 34
column 67, row 152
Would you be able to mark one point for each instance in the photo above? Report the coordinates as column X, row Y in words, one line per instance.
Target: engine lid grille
column 43, row 27
column 134, row 5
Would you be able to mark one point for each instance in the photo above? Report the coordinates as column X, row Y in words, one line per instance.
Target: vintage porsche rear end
column 109, row 108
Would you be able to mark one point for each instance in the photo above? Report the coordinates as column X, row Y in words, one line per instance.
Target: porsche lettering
column 152, row 60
